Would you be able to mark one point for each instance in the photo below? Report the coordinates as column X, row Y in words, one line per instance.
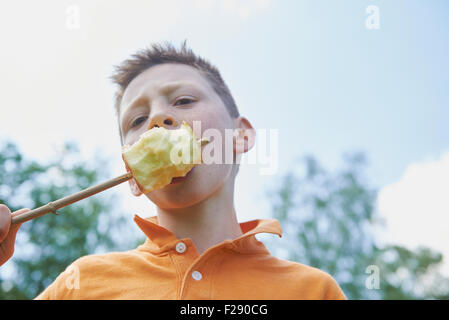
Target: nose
column 163, row 120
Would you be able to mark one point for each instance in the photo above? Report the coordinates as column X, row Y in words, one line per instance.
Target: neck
column 207, row 223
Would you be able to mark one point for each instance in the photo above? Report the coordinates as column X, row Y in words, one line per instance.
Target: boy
column 195, row 248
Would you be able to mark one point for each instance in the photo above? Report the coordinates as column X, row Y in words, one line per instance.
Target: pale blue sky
column 313, row 70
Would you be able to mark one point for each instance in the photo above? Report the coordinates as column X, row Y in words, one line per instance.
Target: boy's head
column 162, row 86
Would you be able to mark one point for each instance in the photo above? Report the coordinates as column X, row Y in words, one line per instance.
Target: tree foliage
column 331, row 223
column 47, row 245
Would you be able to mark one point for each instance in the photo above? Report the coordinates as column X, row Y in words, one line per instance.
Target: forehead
column 154, row 78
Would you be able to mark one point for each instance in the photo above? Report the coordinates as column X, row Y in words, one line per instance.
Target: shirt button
column 197, row 275
column 180, row 247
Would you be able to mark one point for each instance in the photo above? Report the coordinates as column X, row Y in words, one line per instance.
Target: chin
column 202, row 184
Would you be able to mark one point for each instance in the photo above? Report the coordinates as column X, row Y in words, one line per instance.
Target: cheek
column 133, row 136
column 206, row 180
column 212, row 116
column 211, row 177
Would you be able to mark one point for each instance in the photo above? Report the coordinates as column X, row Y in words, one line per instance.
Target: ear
column 244, row 135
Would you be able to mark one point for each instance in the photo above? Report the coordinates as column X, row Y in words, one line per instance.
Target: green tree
column 47, row 245
column 330, row 222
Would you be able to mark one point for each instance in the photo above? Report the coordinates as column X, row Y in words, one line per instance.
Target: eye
column 184, row 100
column 138, row 121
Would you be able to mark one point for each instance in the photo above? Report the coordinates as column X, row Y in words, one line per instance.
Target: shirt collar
column 160, row 239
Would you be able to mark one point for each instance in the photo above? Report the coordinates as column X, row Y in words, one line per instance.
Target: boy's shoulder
column 304, row 271
column 88, row 270
column 112, row 259
column 300, row 280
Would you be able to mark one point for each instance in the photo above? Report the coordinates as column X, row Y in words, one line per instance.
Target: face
column 164, row 96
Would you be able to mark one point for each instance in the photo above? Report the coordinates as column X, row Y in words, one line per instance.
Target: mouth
column 177, row 180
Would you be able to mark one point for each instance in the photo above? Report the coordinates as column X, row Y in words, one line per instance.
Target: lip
column 177, row 180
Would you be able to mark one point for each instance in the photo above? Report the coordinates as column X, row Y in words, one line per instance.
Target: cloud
column 416, row 208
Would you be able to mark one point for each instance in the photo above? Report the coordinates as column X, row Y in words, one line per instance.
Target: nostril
column 155, row 126
column 168, row 122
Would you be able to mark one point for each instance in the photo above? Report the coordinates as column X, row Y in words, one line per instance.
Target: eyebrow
column 172, row 86
column 164, row 90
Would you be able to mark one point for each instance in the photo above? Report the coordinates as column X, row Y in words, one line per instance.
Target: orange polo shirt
column 165, row 267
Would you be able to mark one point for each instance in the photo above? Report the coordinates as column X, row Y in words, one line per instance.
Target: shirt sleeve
column 334, row 291
column 44, row 295
column 64, row 286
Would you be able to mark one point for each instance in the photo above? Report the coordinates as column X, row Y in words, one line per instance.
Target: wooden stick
column 63, row 202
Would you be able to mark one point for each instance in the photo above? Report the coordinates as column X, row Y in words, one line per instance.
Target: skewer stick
column 63, row 202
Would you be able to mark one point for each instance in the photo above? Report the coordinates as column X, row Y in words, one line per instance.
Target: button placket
column 199, row 276
column 180, row 247
column 196, row 275
column 182, row 256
